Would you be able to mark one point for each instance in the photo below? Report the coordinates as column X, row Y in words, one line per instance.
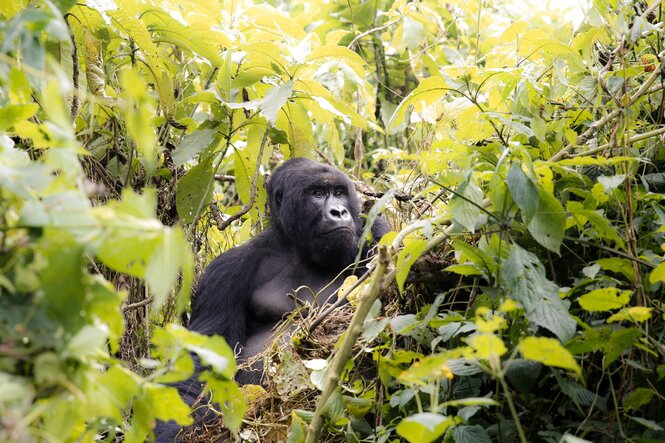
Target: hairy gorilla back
column 313, row 236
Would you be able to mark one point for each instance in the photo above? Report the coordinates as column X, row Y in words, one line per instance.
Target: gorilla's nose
column 339, row 213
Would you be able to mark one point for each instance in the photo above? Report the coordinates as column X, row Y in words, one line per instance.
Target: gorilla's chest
column 283, row 286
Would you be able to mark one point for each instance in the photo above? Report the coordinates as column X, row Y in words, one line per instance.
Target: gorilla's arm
column 220, row 304
column 219, row 307
column 380, row 228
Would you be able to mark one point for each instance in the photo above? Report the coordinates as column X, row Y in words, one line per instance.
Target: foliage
column 525, row 160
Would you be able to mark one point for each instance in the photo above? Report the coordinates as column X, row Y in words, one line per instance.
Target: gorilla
column 302, row 257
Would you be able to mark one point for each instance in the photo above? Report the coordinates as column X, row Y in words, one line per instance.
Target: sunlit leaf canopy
column 516, row 147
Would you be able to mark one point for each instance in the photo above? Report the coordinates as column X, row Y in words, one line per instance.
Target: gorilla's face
column 316, row 208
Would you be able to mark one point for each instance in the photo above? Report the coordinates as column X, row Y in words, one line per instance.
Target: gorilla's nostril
column 339, row 212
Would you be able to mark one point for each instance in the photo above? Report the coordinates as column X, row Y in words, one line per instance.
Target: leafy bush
column 524, row 161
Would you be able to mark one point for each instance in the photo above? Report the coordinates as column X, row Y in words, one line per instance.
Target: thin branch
column 371, row 31
column 613, row 251
column 245, row 209
column 75, row 69
column 340, row 300
column 225, row 178
column 633, row 139
column 136, row 305
column 380, row 281
column 644, row 89
column 346, row 349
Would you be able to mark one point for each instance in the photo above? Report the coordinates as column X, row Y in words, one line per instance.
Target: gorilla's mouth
column 337, row 230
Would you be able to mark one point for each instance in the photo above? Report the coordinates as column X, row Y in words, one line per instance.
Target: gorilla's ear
column 278, row 198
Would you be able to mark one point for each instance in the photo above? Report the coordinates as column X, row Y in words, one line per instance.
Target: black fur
column 314, row 235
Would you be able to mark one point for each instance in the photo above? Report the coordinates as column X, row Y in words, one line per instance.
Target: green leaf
column 602, row 226
column 431, row 367
column 485, row 345
column 638, row 398
column 618, row 265
column 407, row 257
column 658, row 274
column 649, row 424
column 194, row 191
column 524, row 191
column 166, row 404
column 604, row 299
column 213, row 350
column 88, row 341
column 466, row 252
column 470, row 401
column 274, row 99
column 548, row 225
column 549, row 352
column 526, row 282
column 230, row 400
column 194, row 143
column 470, row 434
column 466, row 208
column 413, row 33
column 161, row 274
column 465, row 269
column 424, row 427
column 619, row 342
column 635, row 314
column 429, row 90
column 296, row 123
column 131, row 233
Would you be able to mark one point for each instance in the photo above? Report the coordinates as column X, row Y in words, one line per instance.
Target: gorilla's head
column 315, row 206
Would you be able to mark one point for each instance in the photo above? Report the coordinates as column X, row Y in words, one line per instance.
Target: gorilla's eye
column 318, row 193
column 338, row 192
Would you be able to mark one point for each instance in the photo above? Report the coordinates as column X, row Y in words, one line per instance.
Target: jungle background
column 518, row 156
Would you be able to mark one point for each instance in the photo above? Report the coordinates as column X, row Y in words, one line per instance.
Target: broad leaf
column 549, row 222
column 424, row 427
column 604, row 299
column 194, row 191
column 526, row 282
column 524, row 191
column 549, row 352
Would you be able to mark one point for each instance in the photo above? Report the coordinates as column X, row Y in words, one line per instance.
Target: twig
column 373, row 30
column 613, row 251
column 380, row 281
column 245, row 209
column 643, row 90
column 75, row 70
column 633, row 139
column 340, row 300
column 225, row 178
column 136, row 305
column 346, row 349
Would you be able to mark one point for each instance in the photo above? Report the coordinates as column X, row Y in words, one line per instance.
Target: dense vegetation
column 519, row 160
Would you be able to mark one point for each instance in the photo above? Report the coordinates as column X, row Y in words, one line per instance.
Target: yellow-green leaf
column 428, row 91
column 604, row 299
column 658, row 274
column 485, row 345
column 549, row 352
column 635, row 314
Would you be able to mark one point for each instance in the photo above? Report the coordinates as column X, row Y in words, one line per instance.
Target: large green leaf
column 524, row 191
column 466, row 207
column 549, row 352
column 193, row 144
column 548, row 224
column 424, row 427
column 194, row 191
column 428, row 91
column 470, row 434
column 406, row 258
column 526, row 282
column 604, row 299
